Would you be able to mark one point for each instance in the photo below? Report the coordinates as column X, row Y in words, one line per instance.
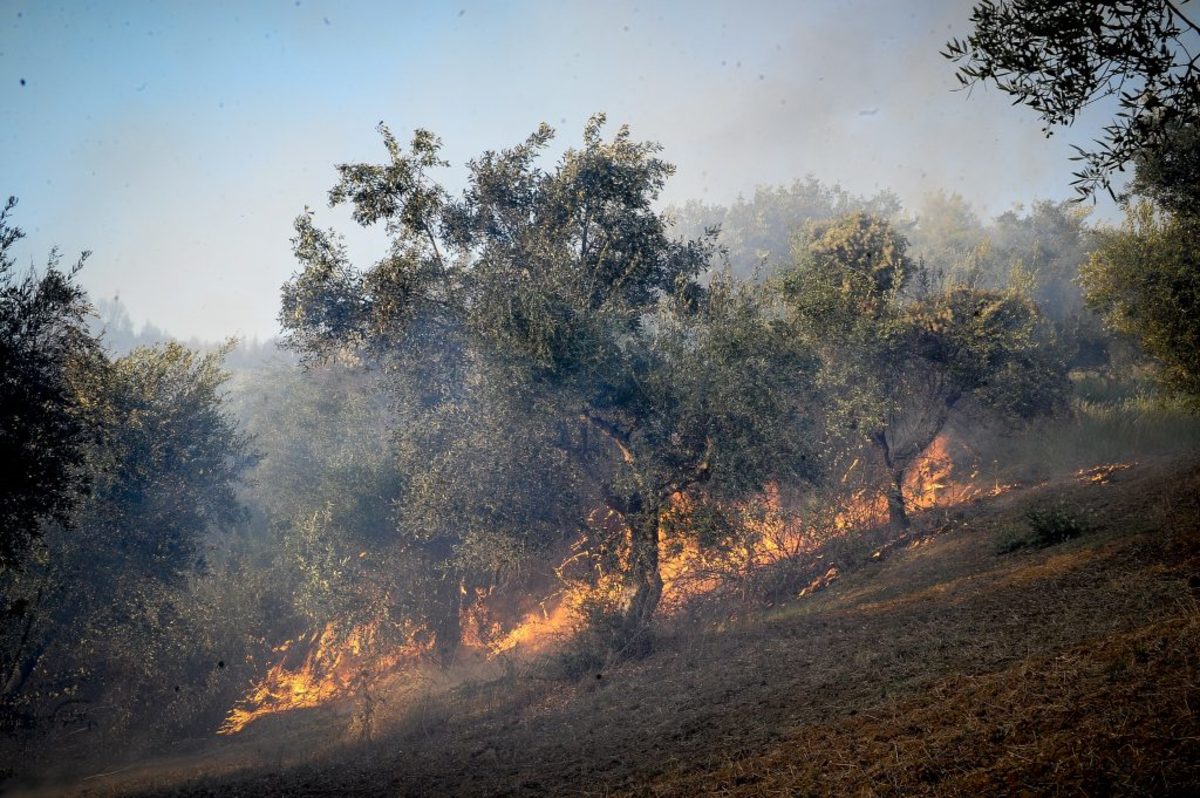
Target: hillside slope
column 941, row 667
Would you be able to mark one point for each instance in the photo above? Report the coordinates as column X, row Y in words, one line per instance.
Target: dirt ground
column 941, row 667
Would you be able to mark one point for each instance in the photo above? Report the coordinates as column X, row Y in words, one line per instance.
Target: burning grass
column 938, row 668
column 752, row 540
column 319, row 668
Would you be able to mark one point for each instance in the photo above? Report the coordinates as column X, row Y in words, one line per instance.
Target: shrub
column 600, row 637
column 1055, row 523
column 1011, row 540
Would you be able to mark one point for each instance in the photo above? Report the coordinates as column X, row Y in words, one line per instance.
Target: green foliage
column 1048, row 524
column 896, row 363
column 46, row 352
column 1056, row 523
column 1169, row 175
column 1011, row 540
column 543, row 336
column 1036, row 251
column 326, row 489
column 857, row 264
column 1058, row 57
column 1119, row 430
column 108, row 606
column 757, row 234
column 171, row 457
column 123, row 469
column 600, row 632
column 1145, row 280
column 990, row 345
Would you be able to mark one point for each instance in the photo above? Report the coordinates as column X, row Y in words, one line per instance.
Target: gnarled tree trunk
column 645, row 583
column 897, row 514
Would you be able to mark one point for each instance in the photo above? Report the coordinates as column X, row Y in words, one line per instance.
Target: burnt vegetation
column 569, row 489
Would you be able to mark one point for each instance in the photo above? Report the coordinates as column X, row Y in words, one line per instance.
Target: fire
column 749, row 535
column 329, row 666
column 929, row 477
column 538, row 629
column 863, row 508
column 933, row 481
column 1101, row 474
column 763, row 532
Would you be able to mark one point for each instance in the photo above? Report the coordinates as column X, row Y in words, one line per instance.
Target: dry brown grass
column 1113, row 715
column 941, row 668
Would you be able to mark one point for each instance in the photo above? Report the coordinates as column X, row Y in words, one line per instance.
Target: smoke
column 183, row 158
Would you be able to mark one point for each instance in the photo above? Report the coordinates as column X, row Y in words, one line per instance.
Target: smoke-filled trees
column 115, row 472
column 1145, row 279
column 758, row 233
column 46, row 353
column 562, row 291
column 1060, row 57
column 898, row 356
column 105, row 605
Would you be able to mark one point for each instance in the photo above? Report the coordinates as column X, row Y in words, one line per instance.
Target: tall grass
column 1098, row 432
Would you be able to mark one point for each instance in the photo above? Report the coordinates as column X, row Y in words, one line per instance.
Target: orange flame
column 763, row 532
column 331, row 667
column 933, row 481
column 1102, row 474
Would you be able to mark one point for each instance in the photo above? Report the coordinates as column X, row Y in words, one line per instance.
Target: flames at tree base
column 330, row 664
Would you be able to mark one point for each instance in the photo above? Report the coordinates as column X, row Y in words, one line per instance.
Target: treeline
column 112, row 325
column 543, row 363
column 117, row 472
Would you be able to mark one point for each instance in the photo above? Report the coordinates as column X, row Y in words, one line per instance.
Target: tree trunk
column 22, row 662
column 447, row 629
column 645, row 582
column 897, row 515
column 21, row 671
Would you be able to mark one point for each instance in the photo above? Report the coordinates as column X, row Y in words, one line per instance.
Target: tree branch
column 619, row 437
column 1175, row 11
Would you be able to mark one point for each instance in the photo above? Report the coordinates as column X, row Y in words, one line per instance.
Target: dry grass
column 940, row 668
column 1113, row 715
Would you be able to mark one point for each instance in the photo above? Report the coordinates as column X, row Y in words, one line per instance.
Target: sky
column 178, row 142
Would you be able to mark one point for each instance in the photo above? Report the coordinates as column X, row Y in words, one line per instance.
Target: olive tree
column 46, row 354
column 562, row 290
column 1144, row 278
column 900, row 354
column 106, row 607
column 1060, row 56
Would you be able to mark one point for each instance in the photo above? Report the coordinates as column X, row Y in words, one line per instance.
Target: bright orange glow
column 1101, row 474
column 538, row 630
column 328, row 668
column 933, row 480
column 747, row 536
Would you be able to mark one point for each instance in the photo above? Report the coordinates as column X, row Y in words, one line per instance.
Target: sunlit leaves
column 1145, row 280
column 894, row 364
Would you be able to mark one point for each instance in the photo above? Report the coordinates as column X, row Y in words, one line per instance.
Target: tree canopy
column 46, row 355
column 1145, row 280
column 562, row 290
column 1059, row 57
column 898, row 353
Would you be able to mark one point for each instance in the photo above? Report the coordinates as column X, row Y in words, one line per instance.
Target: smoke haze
column 180, row 143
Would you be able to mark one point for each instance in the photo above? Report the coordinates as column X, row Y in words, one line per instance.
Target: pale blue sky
column 178, row 141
